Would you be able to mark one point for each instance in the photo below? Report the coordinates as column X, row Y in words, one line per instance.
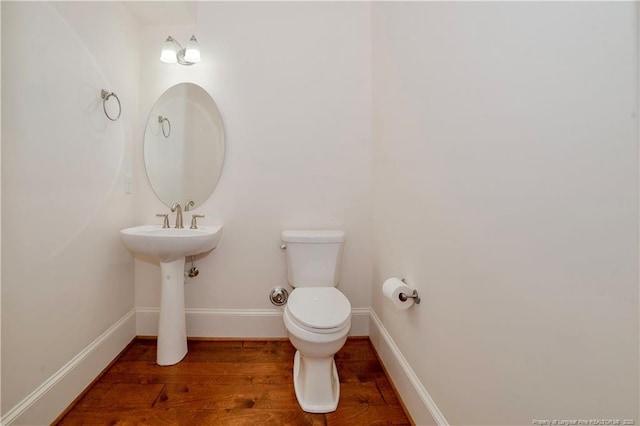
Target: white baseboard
column 240, row 323
column 51, row 398
column 415, row 397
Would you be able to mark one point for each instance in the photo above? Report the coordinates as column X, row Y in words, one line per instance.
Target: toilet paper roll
column 392, row 289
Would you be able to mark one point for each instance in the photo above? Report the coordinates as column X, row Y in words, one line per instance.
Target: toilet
column 317, row 315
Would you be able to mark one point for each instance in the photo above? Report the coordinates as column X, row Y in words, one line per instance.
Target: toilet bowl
column 317, row 320
column 317, row 315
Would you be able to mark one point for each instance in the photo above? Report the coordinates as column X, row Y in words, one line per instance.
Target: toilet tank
column 313, row 257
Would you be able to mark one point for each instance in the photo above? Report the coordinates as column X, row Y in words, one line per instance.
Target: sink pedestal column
column 172, row 327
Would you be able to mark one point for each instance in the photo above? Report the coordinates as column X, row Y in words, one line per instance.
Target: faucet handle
column 165, row 221
column 194, row 218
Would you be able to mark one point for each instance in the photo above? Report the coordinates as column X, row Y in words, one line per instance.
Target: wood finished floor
column 233, row 383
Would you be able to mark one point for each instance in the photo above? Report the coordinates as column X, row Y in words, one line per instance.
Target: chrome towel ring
column 105, row 97
column 166, row 133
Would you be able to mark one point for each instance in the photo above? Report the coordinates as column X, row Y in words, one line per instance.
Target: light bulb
column 169, row 51
column 192, row 52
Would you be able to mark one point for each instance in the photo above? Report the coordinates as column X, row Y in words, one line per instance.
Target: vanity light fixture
column 173, row 52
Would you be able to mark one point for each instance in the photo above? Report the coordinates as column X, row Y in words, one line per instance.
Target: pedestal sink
column 170, row 246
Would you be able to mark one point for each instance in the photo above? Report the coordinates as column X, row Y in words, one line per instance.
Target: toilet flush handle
column 279, row 296
column 283, row 246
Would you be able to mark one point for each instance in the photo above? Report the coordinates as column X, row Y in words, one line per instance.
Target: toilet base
column 316, row 383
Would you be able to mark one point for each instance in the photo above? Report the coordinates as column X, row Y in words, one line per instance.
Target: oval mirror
column 184, row 145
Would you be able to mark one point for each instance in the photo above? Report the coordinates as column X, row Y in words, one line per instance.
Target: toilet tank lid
column 313, row 236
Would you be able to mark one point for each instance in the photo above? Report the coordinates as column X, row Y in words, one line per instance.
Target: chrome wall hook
column 105, row 95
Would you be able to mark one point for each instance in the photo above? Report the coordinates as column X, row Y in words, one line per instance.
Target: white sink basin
column 169, row 244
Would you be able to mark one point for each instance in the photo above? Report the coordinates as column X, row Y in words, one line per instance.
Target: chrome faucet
column 178, row 209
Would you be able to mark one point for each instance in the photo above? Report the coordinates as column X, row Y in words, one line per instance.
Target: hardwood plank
column 360, row 377
column 152, row 378
column 190, row 417
column 360, row 393
column 268, row 351
column 358, row 367
column 140, row 350
column 93, row 395
column 194, row 369
column 356, row 350
column 370, row 415
column 215, row 396
column 121, row 395
column 387, row 391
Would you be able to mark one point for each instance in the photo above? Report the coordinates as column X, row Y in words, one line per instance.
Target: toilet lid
column 319, row 307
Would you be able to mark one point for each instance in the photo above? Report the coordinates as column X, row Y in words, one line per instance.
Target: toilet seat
column 319, row 309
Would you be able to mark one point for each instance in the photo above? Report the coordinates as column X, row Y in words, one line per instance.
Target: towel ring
column 163, row 120
column 105, row 97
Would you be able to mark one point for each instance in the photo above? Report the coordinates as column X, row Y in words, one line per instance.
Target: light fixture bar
column 173, row 52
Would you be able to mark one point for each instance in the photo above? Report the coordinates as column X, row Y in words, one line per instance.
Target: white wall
column 66, row 277
column 506, row 191
column 292, row 82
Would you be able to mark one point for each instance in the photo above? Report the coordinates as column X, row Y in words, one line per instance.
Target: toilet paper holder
column 404, row 297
